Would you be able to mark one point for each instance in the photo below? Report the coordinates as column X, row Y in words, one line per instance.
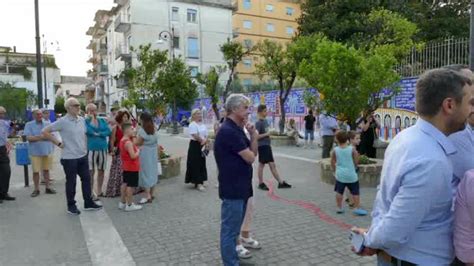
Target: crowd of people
column 423, row 213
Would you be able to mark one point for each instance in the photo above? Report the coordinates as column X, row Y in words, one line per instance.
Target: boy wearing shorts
column 129, row 153
column 265, row 154
column 344, row 163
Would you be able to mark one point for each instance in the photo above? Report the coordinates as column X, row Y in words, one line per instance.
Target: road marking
column 103, row 241
column 313, row 208
column 295, row 157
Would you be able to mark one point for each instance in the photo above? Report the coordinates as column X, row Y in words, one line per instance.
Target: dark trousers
column 5, row 171
column 72, row 168
column 328, row 141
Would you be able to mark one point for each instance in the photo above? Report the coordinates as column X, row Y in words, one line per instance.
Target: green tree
column 143, row 89
column 341, row 20
column 16, row 100
column 281, row 64
column 59, row 105
column 175, row 86
column 349, row 79
column 233, row 52
column 210, row 80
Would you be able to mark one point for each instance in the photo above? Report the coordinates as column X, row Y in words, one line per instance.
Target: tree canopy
column 342, row 20
column 16, row 100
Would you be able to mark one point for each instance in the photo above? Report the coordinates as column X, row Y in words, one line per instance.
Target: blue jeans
column 232, row 216
column 73, row 168
column 308, row 134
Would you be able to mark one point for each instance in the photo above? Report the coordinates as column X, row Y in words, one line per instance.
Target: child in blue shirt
column 344, row 163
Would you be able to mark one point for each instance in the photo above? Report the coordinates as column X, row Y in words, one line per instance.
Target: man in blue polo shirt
column 41, row 151
column 234, row 154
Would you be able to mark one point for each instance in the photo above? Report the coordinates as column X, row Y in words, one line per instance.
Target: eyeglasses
column 76, row 105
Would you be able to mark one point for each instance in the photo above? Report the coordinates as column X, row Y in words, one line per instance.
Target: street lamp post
column 45, row 51
column 38, row 57
column 169, row 36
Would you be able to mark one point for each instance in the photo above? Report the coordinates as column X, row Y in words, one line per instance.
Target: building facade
column 199, row 28
column 19, row 69
column 257, row 20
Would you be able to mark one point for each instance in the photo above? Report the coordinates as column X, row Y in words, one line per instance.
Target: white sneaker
column 121, row 205
column 242, row 252
column 132, row 207
column 250, row 243
column 201, row 188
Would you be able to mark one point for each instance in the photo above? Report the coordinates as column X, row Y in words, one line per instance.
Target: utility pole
column 39, row 81
column 471, row 38
column 46, row 101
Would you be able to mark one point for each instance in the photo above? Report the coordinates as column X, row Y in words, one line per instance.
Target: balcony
column 91, row 43
column 102, row 48
column 103, row 70
column 122, row 24
column 122, row 83
column 121, row 2
column 122, row 52
column 91, row 74
column 93, row 60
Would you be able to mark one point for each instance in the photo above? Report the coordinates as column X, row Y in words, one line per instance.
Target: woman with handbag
column 196, row 171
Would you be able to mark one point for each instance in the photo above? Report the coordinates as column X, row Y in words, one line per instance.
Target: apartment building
column 19, row 69
column 257, row 20
column 198, row 29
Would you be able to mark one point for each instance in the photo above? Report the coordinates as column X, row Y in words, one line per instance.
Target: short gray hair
column 234, row 101
column 68, row 102
column 89, row 106
column 37, row 110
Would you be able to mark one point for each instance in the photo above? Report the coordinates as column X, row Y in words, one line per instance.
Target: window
column 176, row 42
column 194, row 71
column 247, row 24
column 290, row 11
column 193, row 47
column 247, row 82
column 247, row 4
column 175, row 14
column 192, row 15
column 289, row 30
column 269, row 8
column 270, row 27
column 248, row 44
column 247, row 63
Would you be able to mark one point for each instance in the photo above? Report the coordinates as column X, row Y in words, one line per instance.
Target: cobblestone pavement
column 296, row 226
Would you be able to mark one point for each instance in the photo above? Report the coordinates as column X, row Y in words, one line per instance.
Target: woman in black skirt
column 196, row 172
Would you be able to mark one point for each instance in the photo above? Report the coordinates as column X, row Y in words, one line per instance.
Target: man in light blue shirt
column 412, row 219
column 40, row 150
column 328, row 129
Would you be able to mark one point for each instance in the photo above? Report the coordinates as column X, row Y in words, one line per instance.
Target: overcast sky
column 64, row 21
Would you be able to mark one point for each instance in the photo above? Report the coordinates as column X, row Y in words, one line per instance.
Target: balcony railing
column 102, row 48
column 122, row 51
column 122, row 83
column 102, row 69
column 122, row 24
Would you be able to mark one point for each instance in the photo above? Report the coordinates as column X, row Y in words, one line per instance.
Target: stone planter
column 369, row 174
column 169, row 129
column 282, row 141
column 170, row 167
column 380, row 146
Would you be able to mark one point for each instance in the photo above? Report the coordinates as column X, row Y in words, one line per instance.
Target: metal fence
column 434, row 55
